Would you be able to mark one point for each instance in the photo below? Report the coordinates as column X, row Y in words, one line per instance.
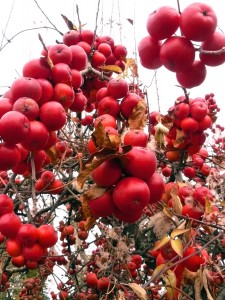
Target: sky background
column 18, row 15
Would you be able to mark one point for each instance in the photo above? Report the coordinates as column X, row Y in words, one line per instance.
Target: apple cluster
column 177, row 52
column 25, row 243
column 131, row 183
column 188, row 121
column 192, row 198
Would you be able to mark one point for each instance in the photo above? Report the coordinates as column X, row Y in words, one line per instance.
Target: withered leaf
column 53, row 153
column 170, row 280
column 130, row 21
column 89, row 217
column 111, row 68
column 103, row 139
column 132, row 66
column 139, row 291
column 69, row 23
column 138, row 118
column 180, row 138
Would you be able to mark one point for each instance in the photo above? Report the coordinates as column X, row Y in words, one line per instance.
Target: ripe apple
column 33, row 253
column 136, row 137
column 156, row 186
column 198, row 21
column 37, row 137
column 193, row 263
column 108, row 105
column 177, row 54
column 193, row 76
column 102, row 206
column 52, row 115
column 108, row 173
column 189, row 125
column 61, row 72
column 128, row 103
column 117, row 88
column 79, row 103
column 60, row 53
column 14, row 122
column 10, row 224
column 10, row 156
column 36, row 68
column 26, row 87
column 47, row 91
column 131, row 194
column 214, row 43
column 139, row 162
column 6, row 204
column 71, row 37
column 79, row 58
column 106, row 120
column 63, row 94
column 5, row 105
column 47, row 236
column 27, row 106
column 120, row 52
column 163, row 22
column 13, row 247
column 149, row 50
column 199, row 110
column 182, row 110
column 27, row 235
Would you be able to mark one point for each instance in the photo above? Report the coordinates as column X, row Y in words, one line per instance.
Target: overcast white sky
column 25, row 14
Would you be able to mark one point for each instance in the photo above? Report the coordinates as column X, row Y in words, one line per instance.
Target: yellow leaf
column 139, row 291
column 177, row 205
column 177, row 232
column 177, row 246
column 162, row 242
column 111, row 68
column 168, row 213
column 158, row 269
column 138, row 118
column 170, row 280
column 208, row 207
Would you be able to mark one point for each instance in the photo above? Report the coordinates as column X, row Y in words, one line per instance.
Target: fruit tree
column 100, row 196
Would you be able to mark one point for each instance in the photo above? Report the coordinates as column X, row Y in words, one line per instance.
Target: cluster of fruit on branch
column 135, row 181
column 177, row 51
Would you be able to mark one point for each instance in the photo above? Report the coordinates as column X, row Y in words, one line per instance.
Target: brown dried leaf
column 69, row 23
column 170, row 280
column 53, row 153
column 177, row 246
column 139, row 291
column 198, row 288
column 94, row 192
column 130, row 21
column 111, row 68
column 180, row 138
column 132, row 66
column 205, row 284
column 160, row 132
column 208, row 207
column 103, row 139
column 138, row 118
column 89, row 217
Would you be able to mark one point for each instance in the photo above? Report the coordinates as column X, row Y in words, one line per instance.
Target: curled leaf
column 138, row 118
column 139, row 291
column 89, row 217
column 69, row 23
column 205, row 284
column 111, row 68
column 170, row 280
column 177, row 246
